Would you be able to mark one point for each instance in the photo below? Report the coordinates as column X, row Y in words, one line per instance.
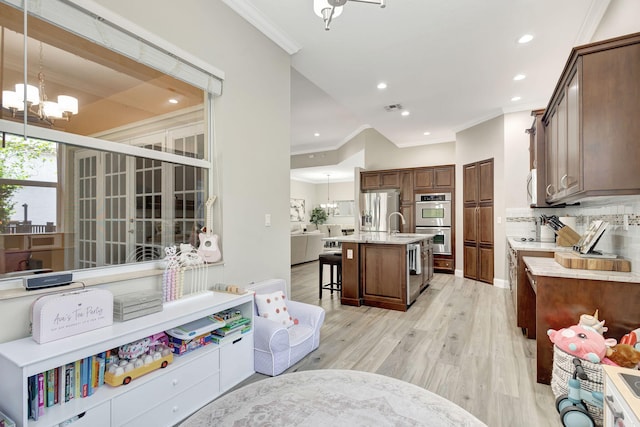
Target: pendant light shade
column 319, row 5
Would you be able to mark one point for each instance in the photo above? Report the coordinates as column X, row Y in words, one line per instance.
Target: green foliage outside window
column 19, row 160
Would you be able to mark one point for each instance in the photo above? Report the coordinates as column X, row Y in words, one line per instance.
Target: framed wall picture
column 296, row 210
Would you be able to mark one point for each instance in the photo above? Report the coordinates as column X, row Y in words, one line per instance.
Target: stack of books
column 232, row 330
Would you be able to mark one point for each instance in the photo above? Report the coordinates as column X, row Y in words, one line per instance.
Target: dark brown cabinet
column 477, row 227
column 408, row 211
column 591, row 126
column 379, row 180
column 537, row 160
column 524, row 299
column 434, row 178
column 406, row 188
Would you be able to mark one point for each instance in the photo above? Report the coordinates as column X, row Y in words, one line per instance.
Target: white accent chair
column 276, row 348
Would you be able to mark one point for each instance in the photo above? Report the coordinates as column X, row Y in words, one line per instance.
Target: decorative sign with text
column 62, row 315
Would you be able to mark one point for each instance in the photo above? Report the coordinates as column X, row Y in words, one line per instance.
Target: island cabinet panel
column 384, row 276
column 561, row 301
column 350, row 294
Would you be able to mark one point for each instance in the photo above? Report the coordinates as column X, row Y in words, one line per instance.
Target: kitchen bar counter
column 519, row 245
column 381, row 238
column 563, row 294
column 549, row 267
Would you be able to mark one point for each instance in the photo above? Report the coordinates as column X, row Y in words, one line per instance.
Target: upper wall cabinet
column 591, row 124
column 434, row 178
column 379, row 180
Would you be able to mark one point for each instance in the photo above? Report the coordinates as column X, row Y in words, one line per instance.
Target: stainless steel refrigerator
column 375, row 208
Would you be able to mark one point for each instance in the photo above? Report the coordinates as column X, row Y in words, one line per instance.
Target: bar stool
column 332, row 260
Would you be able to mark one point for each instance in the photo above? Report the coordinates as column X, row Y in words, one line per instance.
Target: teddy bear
column 581, row 341
column 624, row 355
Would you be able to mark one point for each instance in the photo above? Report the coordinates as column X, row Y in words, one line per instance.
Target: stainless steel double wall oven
column 433, row 216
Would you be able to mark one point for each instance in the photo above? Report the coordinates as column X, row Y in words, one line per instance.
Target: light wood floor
column 458, row 340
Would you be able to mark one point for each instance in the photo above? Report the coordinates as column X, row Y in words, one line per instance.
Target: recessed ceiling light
column 519, row 77
column 405, row 113
column 316, row 134
column 525, row 39
column 173, row 101
column 382, row 85
column 516, row 98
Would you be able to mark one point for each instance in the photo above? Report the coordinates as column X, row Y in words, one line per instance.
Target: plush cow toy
column 581, row 341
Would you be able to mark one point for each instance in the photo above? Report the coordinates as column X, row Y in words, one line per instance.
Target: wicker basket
column 563, row 370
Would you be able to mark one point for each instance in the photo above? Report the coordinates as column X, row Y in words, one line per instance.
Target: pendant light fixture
column 329, row 206
column 329, row 9
column 34, row 100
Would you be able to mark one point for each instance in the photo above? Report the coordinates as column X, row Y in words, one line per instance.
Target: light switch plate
column 349, row 253
column 267, row 220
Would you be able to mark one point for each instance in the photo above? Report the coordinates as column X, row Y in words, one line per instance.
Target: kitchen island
column 385, row 270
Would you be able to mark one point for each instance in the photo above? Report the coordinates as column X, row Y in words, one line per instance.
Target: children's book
column 41, row 394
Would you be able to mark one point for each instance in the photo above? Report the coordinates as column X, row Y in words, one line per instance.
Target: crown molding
column 248, row 11
column 590, row 24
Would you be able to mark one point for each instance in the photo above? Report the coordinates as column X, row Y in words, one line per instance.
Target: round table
column 329, row 397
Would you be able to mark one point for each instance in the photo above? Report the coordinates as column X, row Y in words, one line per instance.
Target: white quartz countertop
column 519, row 245
column 381, row 237
column 549, row 267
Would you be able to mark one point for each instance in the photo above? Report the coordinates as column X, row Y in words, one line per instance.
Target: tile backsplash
column 621, row 237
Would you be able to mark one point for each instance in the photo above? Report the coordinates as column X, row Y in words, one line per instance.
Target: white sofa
column 305, row 246
column 276, row 348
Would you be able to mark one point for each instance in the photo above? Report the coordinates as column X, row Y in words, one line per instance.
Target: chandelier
column 35, row 101
column 329, row 9
column 330, row 206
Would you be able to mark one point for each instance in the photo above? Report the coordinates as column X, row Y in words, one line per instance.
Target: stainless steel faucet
column 401, row 217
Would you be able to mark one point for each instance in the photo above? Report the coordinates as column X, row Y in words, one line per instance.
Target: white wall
column 516, row 158
column 622, row 17
column 380, row 153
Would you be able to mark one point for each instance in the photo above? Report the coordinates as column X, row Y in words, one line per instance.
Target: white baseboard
column 498, row 283
column 501, row 283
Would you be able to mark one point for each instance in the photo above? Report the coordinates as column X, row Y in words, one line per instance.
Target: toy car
column 122, row 371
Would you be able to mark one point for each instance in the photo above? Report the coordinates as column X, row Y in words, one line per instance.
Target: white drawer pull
column 175, row 382
column 174, row 409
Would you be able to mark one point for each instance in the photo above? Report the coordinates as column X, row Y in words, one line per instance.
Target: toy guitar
column 208, row 248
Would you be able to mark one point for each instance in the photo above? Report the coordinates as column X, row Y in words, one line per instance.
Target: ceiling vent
column 393, row 107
